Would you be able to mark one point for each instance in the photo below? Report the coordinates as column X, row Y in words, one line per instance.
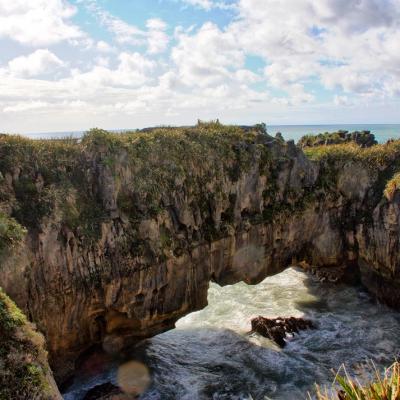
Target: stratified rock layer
column 125, row 232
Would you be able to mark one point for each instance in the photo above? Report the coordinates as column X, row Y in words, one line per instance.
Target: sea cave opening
column 211, row 354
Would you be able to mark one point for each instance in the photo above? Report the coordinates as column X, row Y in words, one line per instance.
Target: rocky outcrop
column 125, row 232
column 362, row 139
column 277, row 329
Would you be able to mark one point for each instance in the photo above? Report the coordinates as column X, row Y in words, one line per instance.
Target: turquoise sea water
column 295, row 132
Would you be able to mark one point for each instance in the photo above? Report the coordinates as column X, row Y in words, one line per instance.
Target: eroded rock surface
column 125, row 232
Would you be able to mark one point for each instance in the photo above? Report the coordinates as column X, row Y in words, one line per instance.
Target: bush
column 23, row 359
column 386, row 387
column 391, row 186
column 10, row 232
column 378, row 156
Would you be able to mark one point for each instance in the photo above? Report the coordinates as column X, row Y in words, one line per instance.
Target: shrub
column 378, row 156
column 23, row 359
column 391, row 186
column 386, row 387
column 11, row 232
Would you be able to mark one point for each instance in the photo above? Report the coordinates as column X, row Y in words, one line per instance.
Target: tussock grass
column 23, row 360
column 10, row 232
column 383, row 387
column 378, row 156
column 391, row 186
column 363, row 138
column 58, row 175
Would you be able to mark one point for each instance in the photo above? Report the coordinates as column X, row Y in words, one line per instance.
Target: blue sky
column 75, row 64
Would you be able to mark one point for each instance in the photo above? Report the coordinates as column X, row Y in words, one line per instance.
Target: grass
column 312, row 140
column 23, row 359
column 68, row 177
column 11, row 232
column 158, row 161
column 381, row 161
column 378, row 156
column 363, row 138
column 383, row 387
column 391, row 186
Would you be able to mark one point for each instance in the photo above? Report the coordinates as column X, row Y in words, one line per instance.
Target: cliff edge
column 119, row 235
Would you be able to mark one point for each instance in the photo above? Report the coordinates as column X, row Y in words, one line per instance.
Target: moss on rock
column 362, row 139
column 24, row 371
column 392, row 186
column 11, row 232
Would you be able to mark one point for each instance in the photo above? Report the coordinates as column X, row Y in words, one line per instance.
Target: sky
column 68, row 65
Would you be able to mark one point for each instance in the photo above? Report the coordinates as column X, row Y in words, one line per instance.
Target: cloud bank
column 278, row 60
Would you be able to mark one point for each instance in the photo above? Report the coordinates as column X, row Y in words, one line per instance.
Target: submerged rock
column 277, row 329
column 105, row 391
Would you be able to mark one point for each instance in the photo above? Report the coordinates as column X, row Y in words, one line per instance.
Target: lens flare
column 133, row 377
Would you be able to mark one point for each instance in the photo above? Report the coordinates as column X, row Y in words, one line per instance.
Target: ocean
column 212, row 354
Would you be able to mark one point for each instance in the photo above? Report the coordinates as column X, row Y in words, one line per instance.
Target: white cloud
column 38, row 22
column 157, row 39
column 206, row 4
column 343, row 44
column 37, row 63
column 104, row 47
column 133, row 70
column 209, row 4
column 207, row 57
column 350, row 48
column 341, row 100
column 25, row 106
column 156, row 24
column 124, row 33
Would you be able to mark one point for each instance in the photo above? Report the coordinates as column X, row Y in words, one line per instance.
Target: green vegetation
column 381, row 159
column 37, row 168
column 11, row 232
column 378, row 156
column 53, row 159
column 381, row 388
column 164, row 160
column 23, row 359
column 391, row 186
column 362, row 139
column 73, row 181
column 44, row 178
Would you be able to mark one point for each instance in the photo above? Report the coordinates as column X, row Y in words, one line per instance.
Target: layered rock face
column 125, row 232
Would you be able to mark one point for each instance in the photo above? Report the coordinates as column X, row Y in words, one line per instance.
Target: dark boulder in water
column 277, row 329
column 105, row 391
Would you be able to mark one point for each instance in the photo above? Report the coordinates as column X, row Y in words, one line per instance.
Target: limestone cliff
column 125, row 232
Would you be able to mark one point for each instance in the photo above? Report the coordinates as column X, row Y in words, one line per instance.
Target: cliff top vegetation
column 362, row 139
column 379, row 155
column 50, row 172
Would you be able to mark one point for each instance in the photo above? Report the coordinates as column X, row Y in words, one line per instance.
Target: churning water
column 211, row 355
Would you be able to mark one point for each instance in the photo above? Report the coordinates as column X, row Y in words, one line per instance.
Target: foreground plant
column 386, row 387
